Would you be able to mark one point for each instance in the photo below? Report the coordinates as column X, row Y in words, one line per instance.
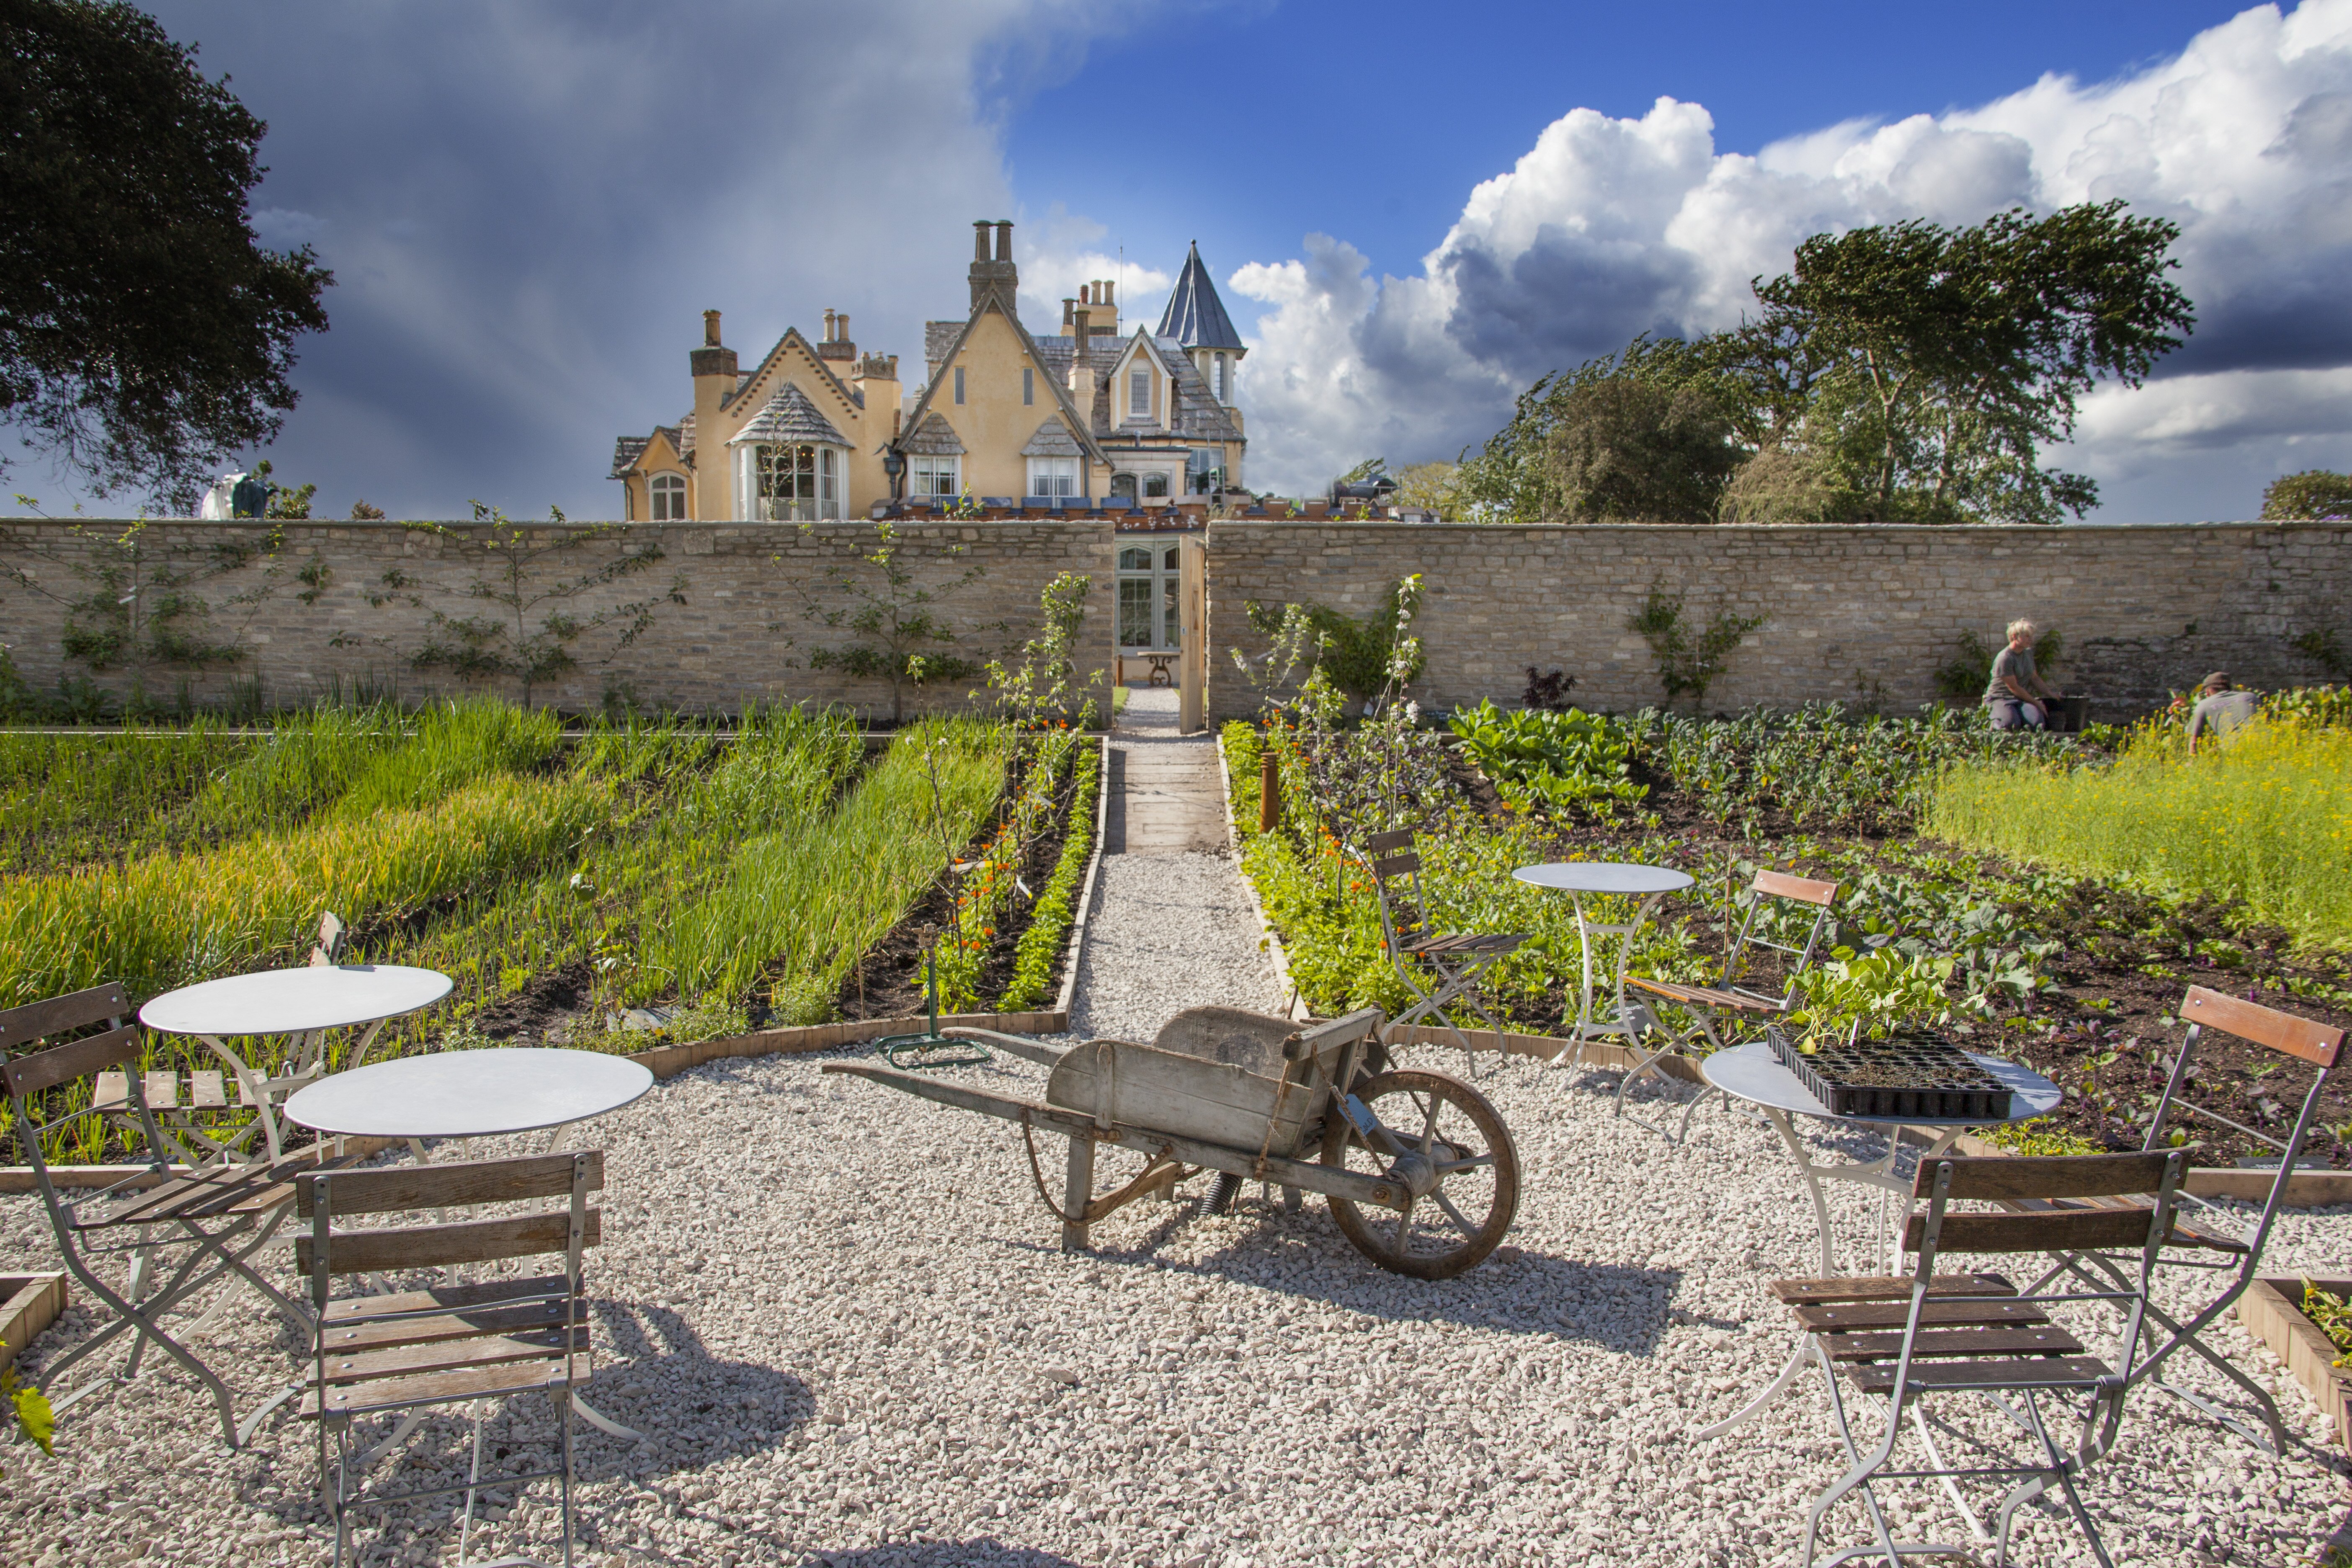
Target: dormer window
column 1139, row 393
column 668, row 493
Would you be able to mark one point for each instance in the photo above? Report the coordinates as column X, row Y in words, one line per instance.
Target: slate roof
column 626, row 451
column 1053, row 439
column 1195, row 317
column 789, row 415
column 934, row 438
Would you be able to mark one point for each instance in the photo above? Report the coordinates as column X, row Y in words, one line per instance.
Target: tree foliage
column 144, row 332
column 1898, row 372
column 2314, row 495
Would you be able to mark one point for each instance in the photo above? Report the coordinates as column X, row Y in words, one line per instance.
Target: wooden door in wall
column 1192, row 655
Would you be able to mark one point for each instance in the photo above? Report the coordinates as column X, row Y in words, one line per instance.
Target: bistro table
column 1754, row 1074
column 305, row 1004
column 1578, row 878
column 467, row 1095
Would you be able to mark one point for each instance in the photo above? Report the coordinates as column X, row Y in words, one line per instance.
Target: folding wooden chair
column 1456, row 960
column 1907, row 1339
column 191, row 1109
column 1708, row 1005
column 2232, row 1246
column 401, row 1353
column 221, row 1213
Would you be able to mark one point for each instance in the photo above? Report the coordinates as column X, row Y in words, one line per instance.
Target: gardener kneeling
column 2018, row 695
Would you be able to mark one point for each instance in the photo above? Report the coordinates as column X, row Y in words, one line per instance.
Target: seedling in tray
column 1909, row 1074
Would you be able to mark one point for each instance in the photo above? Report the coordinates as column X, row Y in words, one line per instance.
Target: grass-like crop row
column 797, row 906
column 64, row 799
column 1049, row 925
column 2266, row 817
column 173, row 918
column 989, row 884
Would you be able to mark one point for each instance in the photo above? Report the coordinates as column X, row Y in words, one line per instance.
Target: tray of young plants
column 1909, row 1073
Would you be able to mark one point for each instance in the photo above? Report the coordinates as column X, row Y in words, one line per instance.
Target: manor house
column 1086, row 418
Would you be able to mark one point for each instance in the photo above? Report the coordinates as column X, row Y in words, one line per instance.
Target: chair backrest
column 330, row 945
column 1789, row 890
column 2302, row 1038
column 2043, row 1177
column 1391, row 857
column 95, row 1033
column 320, row 1196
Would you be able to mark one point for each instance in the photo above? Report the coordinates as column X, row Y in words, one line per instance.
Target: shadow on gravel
column 982, row 1553
column 1614, row 1305
column 652, row 1375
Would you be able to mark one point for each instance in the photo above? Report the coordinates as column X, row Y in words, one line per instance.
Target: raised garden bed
column 28, row 1303
column 2273, row 1311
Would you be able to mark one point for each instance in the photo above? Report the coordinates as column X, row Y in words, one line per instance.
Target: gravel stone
column 842, row 1317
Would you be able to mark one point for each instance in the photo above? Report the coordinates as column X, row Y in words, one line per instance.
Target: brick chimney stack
column 999, row 273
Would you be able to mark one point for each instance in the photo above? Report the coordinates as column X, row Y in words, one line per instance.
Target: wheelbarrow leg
column 1078, row 1186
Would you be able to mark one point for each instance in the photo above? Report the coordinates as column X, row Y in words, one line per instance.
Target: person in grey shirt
column 2219, row 708
column 2018, row 695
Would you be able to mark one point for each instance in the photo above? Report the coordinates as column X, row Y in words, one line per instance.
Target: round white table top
column 1604, row 877
column 295, row 1001
column 1751, row 1072
column 469, row 1094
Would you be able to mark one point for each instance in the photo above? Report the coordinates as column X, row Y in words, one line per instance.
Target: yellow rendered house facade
column 1088, row 417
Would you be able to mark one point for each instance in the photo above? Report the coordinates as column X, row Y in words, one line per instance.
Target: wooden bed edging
column 28, row 1303
column 2273, row 1312
column 2304, row 1189
column 668, row 1062
column 1076, row 946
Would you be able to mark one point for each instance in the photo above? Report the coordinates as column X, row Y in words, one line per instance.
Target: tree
column 144, row 333
column 1429, row 486
column 2314, row 495
column 504, row 643
column 901, row 637
column 1616, row 438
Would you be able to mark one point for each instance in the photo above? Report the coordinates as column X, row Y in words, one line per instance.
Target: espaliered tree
column 1898, row 372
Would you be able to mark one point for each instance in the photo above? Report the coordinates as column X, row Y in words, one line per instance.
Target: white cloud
column 1064, row 250
column 1607, row 228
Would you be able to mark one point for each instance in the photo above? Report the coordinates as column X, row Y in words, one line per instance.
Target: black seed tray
column 1908, row 1075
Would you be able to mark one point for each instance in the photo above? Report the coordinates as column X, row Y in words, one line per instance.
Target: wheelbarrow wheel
column 1464, row 1218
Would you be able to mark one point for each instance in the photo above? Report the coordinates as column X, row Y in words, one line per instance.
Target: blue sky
column 1411, row 211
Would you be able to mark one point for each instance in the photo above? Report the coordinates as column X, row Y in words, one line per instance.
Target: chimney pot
column 710, row 328
column 980, row 240
column 841, row 326
column 828, row 326
column 1109, row 299
column 1067, row 305
column 1004, row 239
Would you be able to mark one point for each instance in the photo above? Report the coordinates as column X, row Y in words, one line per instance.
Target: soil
column 2106, row 1030
column 889, row 981
column 546, row 1000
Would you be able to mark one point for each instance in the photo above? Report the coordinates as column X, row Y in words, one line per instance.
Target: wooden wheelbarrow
column 1419, row 1168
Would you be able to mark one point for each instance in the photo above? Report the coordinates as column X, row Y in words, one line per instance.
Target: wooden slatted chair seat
column 381, row 1353
column 1434, row 946
column 1907, row 1339
column 209, row 1194
column 1708, row 996
column 204, row 1090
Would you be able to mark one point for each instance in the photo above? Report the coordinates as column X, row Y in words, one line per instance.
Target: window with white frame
column 1148, row 616
column 1155, row 483
column 668, row 492
column 1139, row 393
column 1224, row 379
column 1052, row 476
column 933, row 476
column 795, row 481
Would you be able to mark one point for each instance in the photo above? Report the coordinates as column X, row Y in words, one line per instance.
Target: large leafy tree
column 144, row 332
column 1898, row 372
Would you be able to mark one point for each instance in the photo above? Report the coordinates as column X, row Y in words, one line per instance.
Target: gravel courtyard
column 841, row 1316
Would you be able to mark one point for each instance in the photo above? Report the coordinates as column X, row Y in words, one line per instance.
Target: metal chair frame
column 2314, row 1043
column 1986, row 1306
column 1734, row 1000
column 451, row 1344
column 1458, row 960
column 222, row 1213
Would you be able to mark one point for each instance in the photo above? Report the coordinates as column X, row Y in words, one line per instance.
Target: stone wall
column 1854, row 612
column 1868, row 613
column 722, row 609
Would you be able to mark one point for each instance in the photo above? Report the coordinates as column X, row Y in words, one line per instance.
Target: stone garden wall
column 706, row 616
column 1866, row 612
column 717, row 615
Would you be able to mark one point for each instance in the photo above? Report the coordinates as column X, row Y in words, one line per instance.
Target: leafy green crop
column 1551, row 759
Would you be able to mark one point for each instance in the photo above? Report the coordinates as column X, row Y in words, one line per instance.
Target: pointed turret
column 1195, row 320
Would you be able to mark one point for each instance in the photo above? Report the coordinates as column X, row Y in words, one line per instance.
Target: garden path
column 1171, row 926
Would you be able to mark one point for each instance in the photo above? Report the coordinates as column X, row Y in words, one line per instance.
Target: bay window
column 792, row 482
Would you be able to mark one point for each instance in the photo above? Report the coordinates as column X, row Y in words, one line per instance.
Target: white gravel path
column 842, row 1313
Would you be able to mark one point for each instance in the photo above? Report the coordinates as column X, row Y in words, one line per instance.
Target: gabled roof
column 625, row 452
column 629, row 451
column 750, row 384
column 1195, row 317
column 934, row 438
column 1053, row 439
column 789, row 416
column 992, row 300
